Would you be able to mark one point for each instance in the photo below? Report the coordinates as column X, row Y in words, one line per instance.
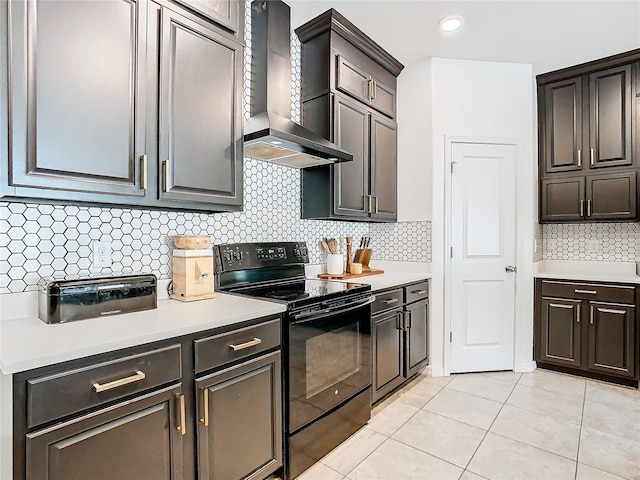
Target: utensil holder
column 335, row 264
column 365, row 259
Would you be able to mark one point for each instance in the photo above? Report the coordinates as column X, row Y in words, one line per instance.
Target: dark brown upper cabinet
column 89, row 118
column 349, row 97
column 588, row 140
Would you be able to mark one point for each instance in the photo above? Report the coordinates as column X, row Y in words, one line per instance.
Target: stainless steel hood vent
column 270, row 134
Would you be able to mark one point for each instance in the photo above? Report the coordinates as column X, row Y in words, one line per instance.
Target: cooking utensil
column 333, row 245
column 324, row 246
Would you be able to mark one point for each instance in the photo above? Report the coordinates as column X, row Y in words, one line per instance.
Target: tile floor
column 502, row 425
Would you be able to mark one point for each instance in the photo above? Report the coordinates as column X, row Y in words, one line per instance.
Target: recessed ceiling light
column 451, row 23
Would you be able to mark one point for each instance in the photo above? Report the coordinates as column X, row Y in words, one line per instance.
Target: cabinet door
column 562, row 199
column 200, row 144
column 388, row 342
column 224, row 12
column 384, row 162
column 384, row 98
column 562, row 118
column 417, row 339
column 612, row 197
column 239, row 420
column 612, row 344
column 137, row 439
column 352, row 80
column 560, row 332
column 610, row 110
column 77, row 98
column 351, row 179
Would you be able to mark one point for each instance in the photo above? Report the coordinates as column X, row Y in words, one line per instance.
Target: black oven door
column 329, row 359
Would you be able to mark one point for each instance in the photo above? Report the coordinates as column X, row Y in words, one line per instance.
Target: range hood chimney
column 270, row 134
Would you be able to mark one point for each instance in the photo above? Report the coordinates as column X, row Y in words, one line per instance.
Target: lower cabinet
column 239, row 419
column 130, row 415
column 400, row 337
column 587, row 327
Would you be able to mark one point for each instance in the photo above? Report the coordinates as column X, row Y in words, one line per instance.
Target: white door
column 483, row 248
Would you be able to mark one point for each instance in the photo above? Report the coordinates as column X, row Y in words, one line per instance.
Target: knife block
column 363, row 256
column 192, row 275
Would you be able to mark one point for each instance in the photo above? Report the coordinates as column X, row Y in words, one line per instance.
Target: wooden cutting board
column 345, row 276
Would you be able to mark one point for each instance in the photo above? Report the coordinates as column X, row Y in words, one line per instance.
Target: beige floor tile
column 608, row 419
column 391, row 418
column 554, row 382
column 442, row 437
column 441, row 381
column 396, row 461
column 320, row 472
column 464, row 407
column 610, row 453
column 467, row 475
column 564, row 407
column 503, row 458
column 585, row 472
column 418, row 394
column 548, row 433
column 627, row 399
column 505, row 376
column 354, row 450
column 482, row 386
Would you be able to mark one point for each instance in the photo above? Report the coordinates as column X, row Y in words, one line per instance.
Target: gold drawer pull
column 419, row 292
column 119, row 383
column 390, row 301
column 205, row 407
column 182, row 415
column 590, row 292
column 242, row 346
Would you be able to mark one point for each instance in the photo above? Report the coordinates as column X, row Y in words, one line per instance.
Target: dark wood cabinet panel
column 612, row 197
column 384, row 98
column 610, row 110
column 560, row 332
column 200, row 148
column 563, row 125
column 384, row 164
column 140, row 436
column 562, row 199
column 611, row 338
column 417, row 342
column 351, row 124
column 75, row 127
column 240, row 421
column 352, row 80
column 388, row 352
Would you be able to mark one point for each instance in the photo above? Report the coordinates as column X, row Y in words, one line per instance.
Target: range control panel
column 242, row 256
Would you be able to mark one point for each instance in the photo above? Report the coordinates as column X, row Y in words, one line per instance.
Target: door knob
column 510, row 269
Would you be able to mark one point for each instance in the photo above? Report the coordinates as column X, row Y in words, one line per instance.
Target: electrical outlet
column 101, row 254
column 593, row 246
column 552, row 244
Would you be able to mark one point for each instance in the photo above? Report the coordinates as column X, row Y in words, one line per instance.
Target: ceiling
column 548, row 34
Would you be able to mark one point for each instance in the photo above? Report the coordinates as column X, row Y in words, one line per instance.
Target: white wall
column 485, row 100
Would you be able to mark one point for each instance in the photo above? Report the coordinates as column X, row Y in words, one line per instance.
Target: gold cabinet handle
column 582, row 208
column 182, row 420
column 143, row 172
column 592, row 158
column 370, row 88
column 119, row 383
column 390, row 301
column 242, row 346
column 409, row 319
column 578, row 314
column 376, row 197
column 369, row 198
column 165, row 176
column 591, row 315
column 375, row 90
column 419, row 292
column 589, row 208
column 590, row 292
column 579, row 158
column 205, row 407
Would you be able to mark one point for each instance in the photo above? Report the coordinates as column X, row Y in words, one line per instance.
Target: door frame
column 524, row 220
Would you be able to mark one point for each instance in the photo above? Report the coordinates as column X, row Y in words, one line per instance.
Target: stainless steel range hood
column 270, row 134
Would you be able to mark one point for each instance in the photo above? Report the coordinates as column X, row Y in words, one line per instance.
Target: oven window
column 332, row 357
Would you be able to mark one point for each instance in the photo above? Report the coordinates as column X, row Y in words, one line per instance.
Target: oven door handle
column 310, row 316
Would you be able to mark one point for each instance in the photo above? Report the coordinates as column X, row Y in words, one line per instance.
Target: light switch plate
column 593, row 246
column 101, row 254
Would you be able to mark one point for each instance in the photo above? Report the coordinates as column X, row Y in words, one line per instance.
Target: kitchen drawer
column 212, row 352
column 589, row 291
column 387, row 300
column 65, row 393
column 416, row 292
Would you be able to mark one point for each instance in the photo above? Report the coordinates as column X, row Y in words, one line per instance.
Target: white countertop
column 30, row 343
column 619, row 272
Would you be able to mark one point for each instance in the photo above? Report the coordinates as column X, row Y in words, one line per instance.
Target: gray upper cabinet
column 227, row 13
column 76, row 68
column 124, row 102
column 349, row 97
column 200, row 148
